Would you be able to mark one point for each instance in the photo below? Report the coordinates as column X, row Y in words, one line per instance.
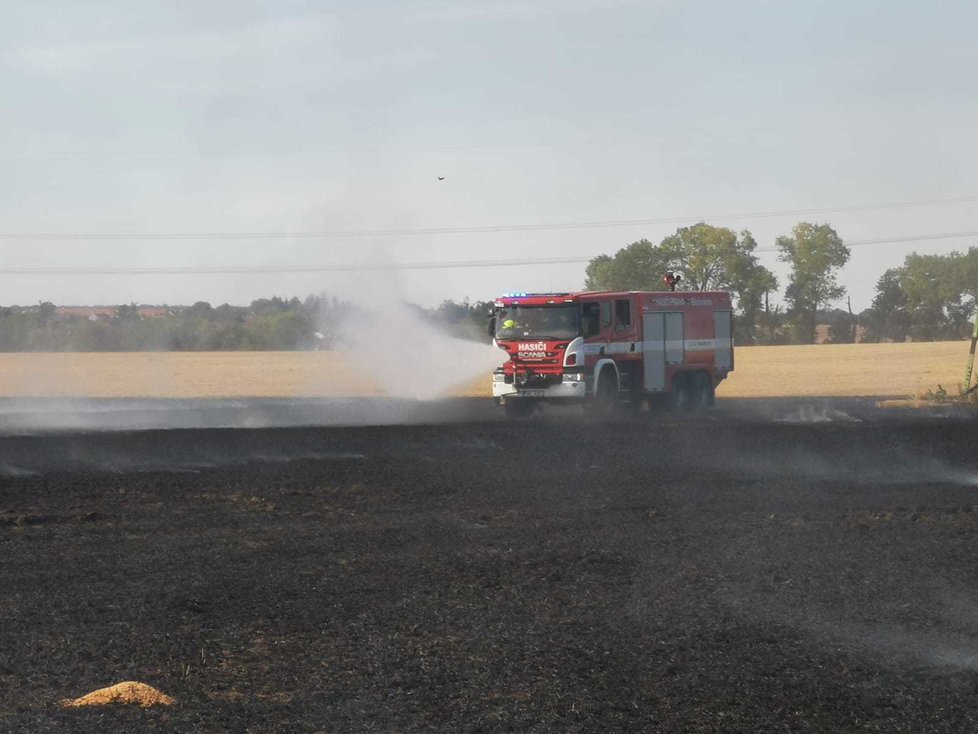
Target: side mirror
column 492, row 327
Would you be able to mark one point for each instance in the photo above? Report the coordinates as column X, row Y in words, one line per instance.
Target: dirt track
column 552, row 575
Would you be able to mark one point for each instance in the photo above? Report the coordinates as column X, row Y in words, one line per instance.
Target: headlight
column 573, row 377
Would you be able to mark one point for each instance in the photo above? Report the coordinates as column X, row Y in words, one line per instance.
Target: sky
column 185, row 151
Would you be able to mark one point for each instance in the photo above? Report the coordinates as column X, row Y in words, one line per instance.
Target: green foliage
column 887, row 319
column 941, row 396
column 707, row 257
column 462, row 320
column 934, row 286
column 815, row 253
column 278, row 331
column 928, row 298
column 265, row 324
column 842, row 325
column 938, row 395
column 636, row 267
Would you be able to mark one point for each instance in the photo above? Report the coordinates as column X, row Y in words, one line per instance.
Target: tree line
column 266, row 324
column 930, row 297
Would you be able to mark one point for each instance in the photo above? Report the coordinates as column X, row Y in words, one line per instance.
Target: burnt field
column 724, row 573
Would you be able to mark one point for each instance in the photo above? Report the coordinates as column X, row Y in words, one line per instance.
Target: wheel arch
column 599, row 368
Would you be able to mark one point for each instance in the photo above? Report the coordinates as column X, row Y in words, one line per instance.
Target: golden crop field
column 180, row 375
column 871, row 370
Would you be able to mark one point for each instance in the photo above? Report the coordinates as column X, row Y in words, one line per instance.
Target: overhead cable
column 434, row 231
column 362, row 267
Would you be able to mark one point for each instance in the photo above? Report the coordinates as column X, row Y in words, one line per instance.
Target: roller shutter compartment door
column 723, row 338
column 675, row 349
column 654, row 351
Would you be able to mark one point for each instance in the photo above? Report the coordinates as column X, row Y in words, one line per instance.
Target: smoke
column 394, row 343
column 893, row 468
column 811, row 414
column 947, row 645
column 410, row 357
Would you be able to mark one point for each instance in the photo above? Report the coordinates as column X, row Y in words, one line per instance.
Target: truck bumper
column 562, row 391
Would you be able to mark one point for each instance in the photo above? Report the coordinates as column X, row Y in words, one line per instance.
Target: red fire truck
column 611, row 350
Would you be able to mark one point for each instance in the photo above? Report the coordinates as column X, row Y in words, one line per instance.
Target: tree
column 201, row 310
column 636, row 267
column 843, row 324
column 751, row 283
column 286, row 330
column 716, row 258
column 707, row 257
column 888, row 319
column 933, row 286
column 127, row 312
column 929, row 297
column 815, row 253
column 47, row 312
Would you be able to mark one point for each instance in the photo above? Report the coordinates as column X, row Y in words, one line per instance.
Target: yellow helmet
column 509, row 324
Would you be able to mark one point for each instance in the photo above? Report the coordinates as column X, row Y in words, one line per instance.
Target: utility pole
column 971, row 361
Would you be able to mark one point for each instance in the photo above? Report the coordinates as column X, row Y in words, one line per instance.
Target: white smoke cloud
column 410, row 357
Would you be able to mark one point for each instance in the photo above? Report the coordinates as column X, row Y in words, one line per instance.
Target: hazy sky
column 123, row 118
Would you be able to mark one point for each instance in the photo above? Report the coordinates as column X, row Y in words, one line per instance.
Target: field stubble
column 868, row 370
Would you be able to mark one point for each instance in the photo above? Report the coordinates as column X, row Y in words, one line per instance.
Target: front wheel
column 606, row 396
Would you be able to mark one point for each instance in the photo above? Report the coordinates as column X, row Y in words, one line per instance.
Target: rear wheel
column 680, row 399
column 702, row 391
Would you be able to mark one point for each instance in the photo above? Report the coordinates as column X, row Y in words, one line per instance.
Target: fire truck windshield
column 539, row 322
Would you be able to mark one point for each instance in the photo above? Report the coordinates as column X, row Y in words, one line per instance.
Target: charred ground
column 550, row 575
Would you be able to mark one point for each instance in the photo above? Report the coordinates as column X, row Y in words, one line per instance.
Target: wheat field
column 906, row 370
column 903, row 371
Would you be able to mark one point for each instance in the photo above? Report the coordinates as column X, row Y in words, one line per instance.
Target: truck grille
column 535, row 382
column 551, row 359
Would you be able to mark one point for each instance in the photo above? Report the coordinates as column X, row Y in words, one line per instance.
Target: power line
column 280, row 269
column 431, row 231
column 366, row 267
column 894, row 240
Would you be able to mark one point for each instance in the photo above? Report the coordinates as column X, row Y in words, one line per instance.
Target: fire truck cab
column 611, row 350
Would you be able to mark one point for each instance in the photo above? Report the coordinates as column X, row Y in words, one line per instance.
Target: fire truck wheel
column 681, row 398
column 702, row 391
column 520, row 408
column 606, row 398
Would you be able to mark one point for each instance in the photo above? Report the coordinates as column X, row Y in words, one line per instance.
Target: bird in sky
column 441, row 178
